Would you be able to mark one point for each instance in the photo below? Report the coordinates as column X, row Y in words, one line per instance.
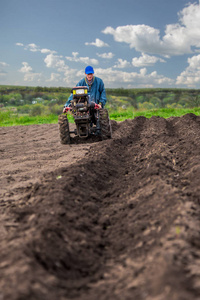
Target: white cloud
column 121, row 64
column 74, row 57
column 190, row 19
column 54, row 61
column 55, row 77
column 116, row 78
column 143, row 71
column 112, row 77
column 28, row 74
column 108, row 55
column 89, row 61
column 26, row 68
column 191, row 75
column 140, row 37
column 194, row 62
column 32, row 77
column 179, row 38
column 98, row 43
column 146, row 60
column 3, row 64
column 45, row 51
column 85, row 60
column 71, row 76
column 19, row 44
column 32, row 47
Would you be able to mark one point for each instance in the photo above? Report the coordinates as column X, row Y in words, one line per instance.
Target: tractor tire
column 64, row 129
column 106, row 130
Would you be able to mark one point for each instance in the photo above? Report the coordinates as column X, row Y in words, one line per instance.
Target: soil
column 114, row 219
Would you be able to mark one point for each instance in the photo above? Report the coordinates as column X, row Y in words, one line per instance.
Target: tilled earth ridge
column 117, row 219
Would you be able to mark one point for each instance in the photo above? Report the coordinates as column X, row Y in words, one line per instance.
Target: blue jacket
column 97, row 91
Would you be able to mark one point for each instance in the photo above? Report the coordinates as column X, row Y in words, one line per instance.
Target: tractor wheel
column 64, row 129
column 106, row 131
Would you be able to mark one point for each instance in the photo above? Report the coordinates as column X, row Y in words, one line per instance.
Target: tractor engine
column 81, row 110
column 89, row 117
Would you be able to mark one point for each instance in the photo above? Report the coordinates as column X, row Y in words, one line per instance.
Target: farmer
column 96, row 89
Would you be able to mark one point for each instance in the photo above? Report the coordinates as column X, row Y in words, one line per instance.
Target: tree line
column 137, row 98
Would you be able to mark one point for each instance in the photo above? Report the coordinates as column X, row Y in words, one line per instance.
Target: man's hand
column 97, row 106
column 66, row 109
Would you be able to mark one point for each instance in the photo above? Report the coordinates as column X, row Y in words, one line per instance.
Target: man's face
column 89, row 76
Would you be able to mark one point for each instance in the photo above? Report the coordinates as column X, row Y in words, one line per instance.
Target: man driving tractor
column 86, row 105
column 96, row 90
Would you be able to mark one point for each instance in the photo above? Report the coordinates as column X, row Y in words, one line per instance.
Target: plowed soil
column 114, row 219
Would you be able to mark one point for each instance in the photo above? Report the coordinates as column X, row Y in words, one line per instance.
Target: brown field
column 115, row 219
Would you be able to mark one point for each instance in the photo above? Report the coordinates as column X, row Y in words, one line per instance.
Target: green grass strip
column 163, row 112
column 7, row 118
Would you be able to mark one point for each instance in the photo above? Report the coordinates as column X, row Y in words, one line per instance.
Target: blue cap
column 89, row 70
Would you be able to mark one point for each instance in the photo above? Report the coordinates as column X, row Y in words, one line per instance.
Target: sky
column 129, row 43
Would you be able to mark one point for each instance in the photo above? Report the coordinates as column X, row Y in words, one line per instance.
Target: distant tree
column 5, row 100
column 141, row 98
column 169, row 99
column 38, row 89
column 56, row 109
column 146, row 105
column 133, row 100
column 36, row 110
column 190, row 99
column 195, row 100
column 28, row 98
column 161, row 96
column 174, row 105
column 62, row 98
column 155, row 101
column 25, row 109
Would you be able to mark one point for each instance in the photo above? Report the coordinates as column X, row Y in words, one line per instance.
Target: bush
column 5, row 115
column 155, row 101
column 174, row 105
column 36, row 110
column 25, row 109
column 146, row 105
column 56, row 109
